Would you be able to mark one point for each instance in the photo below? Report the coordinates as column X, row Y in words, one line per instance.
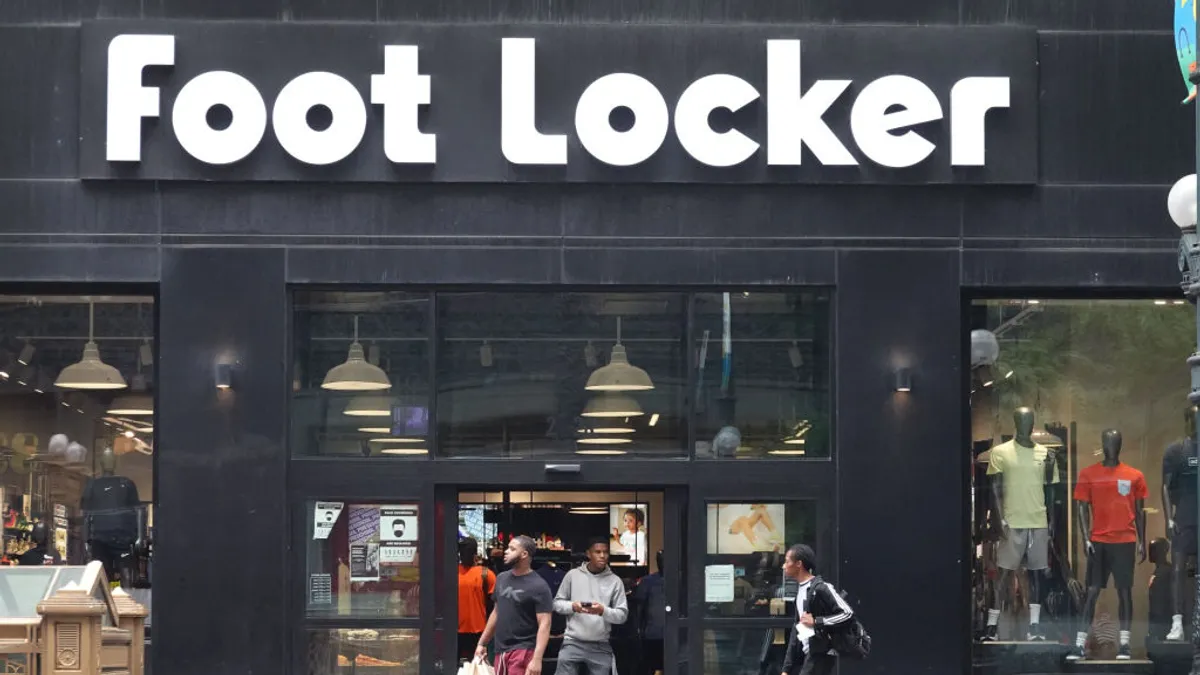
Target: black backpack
column 849, row 639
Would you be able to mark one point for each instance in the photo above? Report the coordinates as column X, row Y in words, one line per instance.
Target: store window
column 77, row 443
column 762, row 375
column 363, row 560
column 385, row 651
column 745, row 548
column 1078, row 418
column 524, row 375
column 361, row 372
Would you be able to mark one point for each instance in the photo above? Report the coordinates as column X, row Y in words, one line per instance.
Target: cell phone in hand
column 585, row 604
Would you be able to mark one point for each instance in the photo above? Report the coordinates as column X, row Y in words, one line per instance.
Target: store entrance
column 644, row 533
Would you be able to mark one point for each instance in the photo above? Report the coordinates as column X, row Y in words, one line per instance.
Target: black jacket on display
column 831, row 614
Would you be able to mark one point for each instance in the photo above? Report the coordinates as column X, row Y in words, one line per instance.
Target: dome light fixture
column 356, row 374
column 90, row 372
column 619, row 374
column 369, row 406
column 612, row 405
column 132, row 405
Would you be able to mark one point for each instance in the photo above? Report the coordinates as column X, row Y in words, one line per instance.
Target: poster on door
column 398, row 524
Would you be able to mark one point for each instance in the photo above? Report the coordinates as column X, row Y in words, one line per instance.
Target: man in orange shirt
column 475, row 588
column 1110, row 496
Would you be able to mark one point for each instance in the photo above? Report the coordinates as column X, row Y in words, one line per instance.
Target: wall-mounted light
column 902, row 380
column 223, row 375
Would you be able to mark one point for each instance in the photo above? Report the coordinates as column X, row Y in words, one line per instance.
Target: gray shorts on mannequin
column 1030, row 546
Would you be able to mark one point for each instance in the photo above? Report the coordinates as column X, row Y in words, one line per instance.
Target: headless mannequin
column 1180, row 533
column 1023, row 423
column 1111, row 442
column 99, row 542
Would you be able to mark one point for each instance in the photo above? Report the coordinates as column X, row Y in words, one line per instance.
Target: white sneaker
column 1176, row 634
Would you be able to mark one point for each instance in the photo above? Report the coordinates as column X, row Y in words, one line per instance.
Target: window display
column 1078, row 414
column 363, row 560
column 77, row 433
column 363, row 650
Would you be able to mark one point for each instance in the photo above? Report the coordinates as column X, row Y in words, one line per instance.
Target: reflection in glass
column 361, row 374
column 363, row 650
column 745, row 547
column 537, row 374
column 745, row 651
column 762, row 374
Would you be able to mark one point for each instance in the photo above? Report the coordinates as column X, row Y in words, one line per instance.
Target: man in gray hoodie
column 594, row 599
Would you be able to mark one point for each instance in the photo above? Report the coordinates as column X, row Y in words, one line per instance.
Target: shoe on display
column 990, row 634
column 1076, row 654
column 1035, row 633
column 1123, row 653
column 1176, row 634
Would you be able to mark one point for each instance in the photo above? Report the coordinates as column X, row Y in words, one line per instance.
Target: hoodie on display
column 606, row 588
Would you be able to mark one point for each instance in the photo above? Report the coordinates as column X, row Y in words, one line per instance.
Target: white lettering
column 651, row 119
column 970, row 99
column 332, row 144
column 520, row 141
column 794, row 119
column 691, row 120
column 128, row 100
column 872, row 124
column 401, row 90
column 189, row 117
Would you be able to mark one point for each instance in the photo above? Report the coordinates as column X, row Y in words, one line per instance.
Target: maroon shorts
column 513, row 662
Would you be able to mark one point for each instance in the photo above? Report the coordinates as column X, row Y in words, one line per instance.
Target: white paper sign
column 324, row 516
column 718, row 583
column 392, row 554
column 397, row 523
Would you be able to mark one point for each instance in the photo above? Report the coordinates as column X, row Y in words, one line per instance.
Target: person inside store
column 1160, row 602
column 475, row 587
column 633, row 538
column 520, row 620
column 651, row 602
column 820, row 609
column 41, row 553
column 1179, row 467
column 593, row 598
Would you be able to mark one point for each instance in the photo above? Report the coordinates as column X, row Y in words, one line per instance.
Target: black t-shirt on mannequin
column 1181, row 464
column 111, row 504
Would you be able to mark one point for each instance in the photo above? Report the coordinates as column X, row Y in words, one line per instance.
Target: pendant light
column 369, row 406
column 612, row 405
column 356, row 374
column 619, row 374
column 90, row 372
column 132, row 405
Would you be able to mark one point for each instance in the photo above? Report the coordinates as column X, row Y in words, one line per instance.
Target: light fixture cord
column 618, row 330
column 92, row 321
column 356, row 328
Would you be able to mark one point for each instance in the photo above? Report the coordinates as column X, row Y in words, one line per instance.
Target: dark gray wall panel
column 35, row 210
column 648, row 266
column 1070, row 15
column 39, row 110
column 222, row 470
column 1109, row 109
column 215, row 9
column 424, row 265
column 1068, row 211
column 1114, row 268
column 902, row 308
column 82, row 263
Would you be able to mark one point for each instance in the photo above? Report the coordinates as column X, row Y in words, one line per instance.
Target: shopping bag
column 476, row 667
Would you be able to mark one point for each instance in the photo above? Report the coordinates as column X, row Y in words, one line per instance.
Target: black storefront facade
column 471, row 156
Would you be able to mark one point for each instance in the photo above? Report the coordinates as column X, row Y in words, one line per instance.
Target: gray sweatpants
column 586, row 658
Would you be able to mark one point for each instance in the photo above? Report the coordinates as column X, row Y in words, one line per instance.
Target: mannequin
column 41, row 553
column 113, row 519
column 1111, row 499
column 1018, row 472
column 1179, row 508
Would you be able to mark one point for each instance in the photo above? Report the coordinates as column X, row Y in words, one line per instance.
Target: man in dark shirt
column 650, row 599
column 520, row 621
column 41, row 553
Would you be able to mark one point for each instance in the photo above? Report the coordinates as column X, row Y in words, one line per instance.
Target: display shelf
column 1110, row 667
column 1170, row 658
column 1018, row 658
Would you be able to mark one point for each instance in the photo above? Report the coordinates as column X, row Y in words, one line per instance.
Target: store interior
column 77, row 435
